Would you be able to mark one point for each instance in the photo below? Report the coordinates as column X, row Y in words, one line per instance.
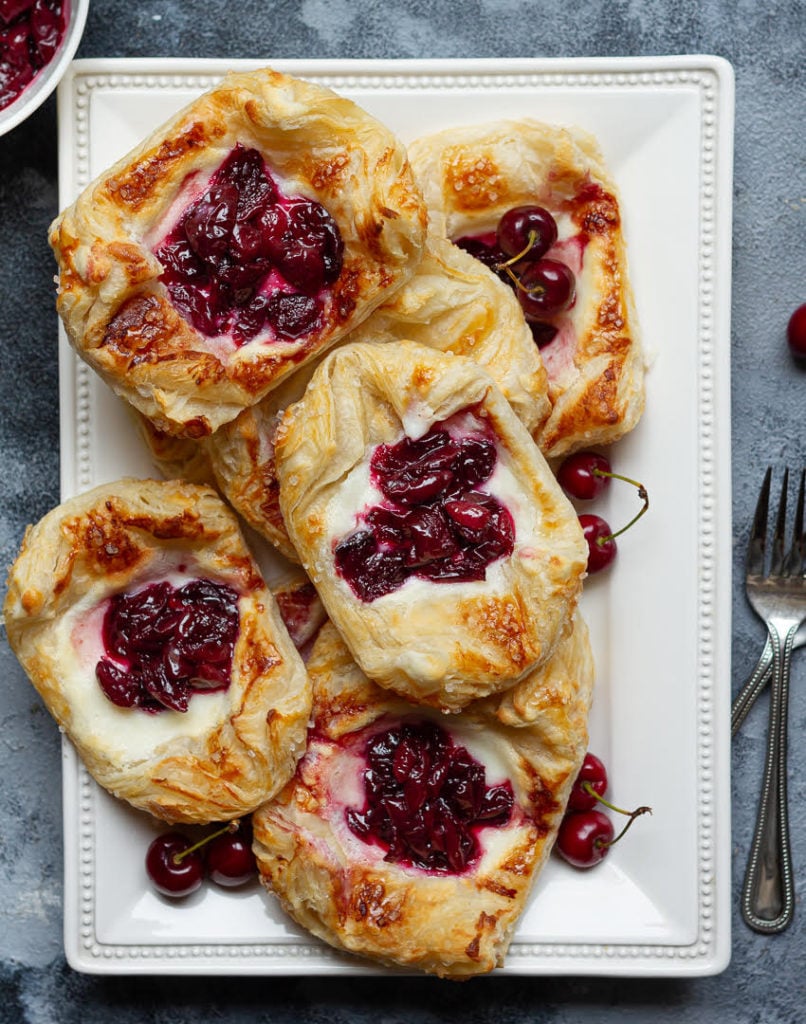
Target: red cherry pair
column 177, row 866
column 585, row 476
column 586, row 834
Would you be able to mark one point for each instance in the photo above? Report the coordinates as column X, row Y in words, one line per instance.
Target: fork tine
column 758, row 532
column 779, row 537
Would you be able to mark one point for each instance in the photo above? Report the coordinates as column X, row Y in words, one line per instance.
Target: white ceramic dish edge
column 709, row 951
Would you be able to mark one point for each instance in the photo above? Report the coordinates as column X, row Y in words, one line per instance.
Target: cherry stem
column 632, row 815
column 518, row 256
column 642, row 494
column 231, row 826
column 536, row 289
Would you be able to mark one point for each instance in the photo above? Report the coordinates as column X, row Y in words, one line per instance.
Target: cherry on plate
column 594, row 773
column 584, row 838
column 601, row 542
column 174, row 869
column 230, row 861
column 584, row 475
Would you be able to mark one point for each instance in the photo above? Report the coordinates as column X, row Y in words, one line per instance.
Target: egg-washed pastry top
column 440, row 543
column 142, row 620
column 451, row 304
column 415, row 839
column 474, row 174
column 248, row 233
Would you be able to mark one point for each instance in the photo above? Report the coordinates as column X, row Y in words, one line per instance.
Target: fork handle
column 756, row 682
column 768, row 894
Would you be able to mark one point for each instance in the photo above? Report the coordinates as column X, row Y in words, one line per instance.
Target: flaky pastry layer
column 342, row 890
column 439, row 643
column 231, row 750
column 470, row 176
column 117, row 312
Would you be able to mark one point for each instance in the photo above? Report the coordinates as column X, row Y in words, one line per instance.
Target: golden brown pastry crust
column 340, row 889
column 116, row 311
column 470, row 176
column 218, row 760
column 439, row 643
column 455, row 305
column 451, row 304
column 177, row 458
column 241, row 456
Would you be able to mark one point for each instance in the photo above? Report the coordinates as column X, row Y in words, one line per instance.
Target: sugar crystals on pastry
column 245, row 235
column 438, row 539
column 145, row 625
column 575, row 288
column 415, row 839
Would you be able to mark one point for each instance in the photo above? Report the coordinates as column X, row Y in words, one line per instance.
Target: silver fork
column 757, row 681
column 778, row 595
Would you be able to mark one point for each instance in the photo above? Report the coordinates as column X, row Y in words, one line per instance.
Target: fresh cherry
column 177, row 866
column 796, row 332
column 545, row 288
column 600, row 540
column 584, row 838
column 516, row 251
column 584, row 475
column 586, row 833
column 229, row 857
column 174, row 865
column 590, row 784
column 526, row 232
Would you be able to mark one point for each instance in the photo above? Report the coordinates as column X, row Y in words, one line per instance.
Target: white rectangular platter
column 659, row 618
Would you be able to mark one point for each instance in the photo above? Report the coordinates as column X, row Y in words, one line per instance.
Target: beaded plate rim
column 710, row 951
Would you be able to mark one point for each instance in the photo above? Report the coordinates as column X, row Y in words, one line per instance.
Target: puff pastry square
column 467, row 634
column 473, row 174
column 381, row 899
column 236, row 744
column 451, row 304
column 315, row 161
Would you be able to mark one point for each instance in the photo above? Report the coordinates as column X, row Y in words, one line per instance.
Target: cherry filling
column 426, row 798
column 244, row 258
column 30, row 34
column 164, row 643
column 435, row 523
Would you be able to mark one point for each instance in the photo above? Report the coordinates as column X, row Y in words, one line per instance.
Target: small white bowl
column 35, row 94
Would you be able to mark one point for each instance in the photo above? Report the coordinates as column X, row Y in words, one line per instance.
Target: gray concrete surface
column 765, row 981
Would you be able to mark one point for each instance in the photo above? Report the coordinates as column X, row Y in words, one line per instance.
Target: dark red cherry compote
column 435, row 521
column 164, row 643
column 30, row 34
column 426, row 798
column 246, row 260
